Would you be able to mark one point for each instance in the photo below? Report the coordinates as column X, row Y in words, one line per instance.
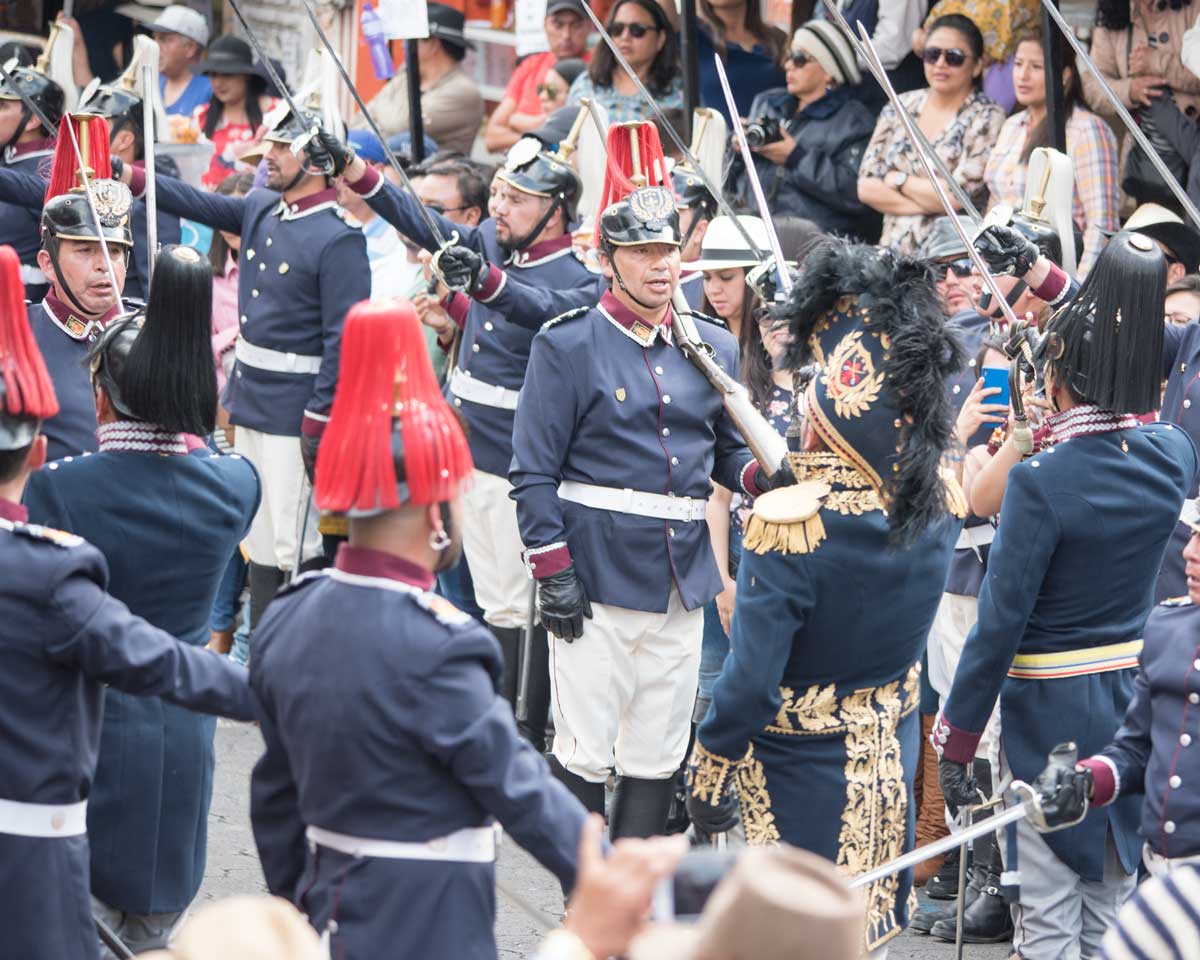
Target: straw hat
column 776, row 903
column 724, row 246
column 244, row 928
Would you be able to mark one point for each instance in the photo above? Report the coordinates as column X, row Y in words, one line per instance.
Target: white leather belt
column 469, row 845
column 466, row 387
column 972, row 538
column 1190, row 511
column 274, row 360
column 657, row 505
column 43, row 819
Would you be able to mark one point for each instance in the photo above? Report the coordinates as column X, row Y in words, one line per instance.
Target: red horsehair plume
column 28, row 391
column 385, row 374
column 635, row 159
column 92, row 133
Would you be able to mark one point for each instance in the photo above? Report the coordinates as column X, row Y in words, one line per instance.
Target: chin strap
column 26, row 113
column 52, row 249
column 621, row 283
column 558, row 202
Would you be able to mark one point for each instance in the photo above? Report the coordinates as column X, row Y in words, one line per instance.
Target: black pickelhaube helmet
column 36, row 87
column 530, row 169
column 647, row 215
column 69, row 217
column 691, row 193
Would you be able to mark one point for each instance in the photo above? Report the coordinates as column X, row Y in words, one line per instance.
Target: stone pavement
column 233, row 864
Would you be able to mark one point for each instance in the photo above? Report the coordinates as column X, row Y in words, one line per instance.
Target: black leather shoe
column 924, row 920
column 943, row 885
column 987, row 919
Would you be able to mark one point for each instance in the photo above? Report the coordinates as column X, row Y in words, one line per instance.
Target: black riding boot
column 265, row 582
column 640, row 807
column 510, row 650
column 925, row 919
column 591, row 795
column 537, row 694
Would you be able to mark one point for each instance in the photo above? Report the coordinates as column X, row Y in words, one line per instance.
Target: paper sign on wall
column 404, row 19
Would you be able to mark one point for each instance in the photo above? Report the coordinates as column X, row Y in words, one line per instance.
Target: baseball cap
column 184, row 21
column 367, row 146
column 574, row 6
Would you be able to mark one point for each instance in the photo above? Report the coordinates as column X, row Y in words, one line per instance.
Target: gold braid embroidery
column 813, row 712
column 707, row 774
column 755, row 800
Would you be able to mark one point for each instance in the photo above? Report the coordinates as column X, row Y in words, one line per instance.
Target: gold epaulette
column 334, row 525
column 956, row 499
column 788, row 520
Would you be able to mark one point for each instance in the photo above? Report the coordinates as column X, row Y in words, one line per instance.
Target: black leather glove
column 118, row 166
column 327, row 153
column 714, row 819
column 1063, row 788
column 958, row 785
column 782, row 477
column 562, row 604
column 308, row 454
column 461, row 268
column 1006, row 250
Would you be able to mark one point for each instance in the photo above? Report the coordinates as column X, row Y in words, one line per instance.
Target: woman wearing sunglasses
column 957, row 119
column 647, row 42
column 810, row 168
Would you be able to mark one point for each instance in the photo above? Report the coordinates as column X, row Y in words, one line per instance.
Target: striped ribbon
column 1076, row 663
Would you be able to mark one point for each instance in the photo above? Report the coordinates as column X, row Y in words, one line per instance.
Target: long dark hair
column 767, row 34
column 966, row 26
column 665, row 67
column 234, row 185
column 1039, row 136
column 256, row 86
column 169, row 378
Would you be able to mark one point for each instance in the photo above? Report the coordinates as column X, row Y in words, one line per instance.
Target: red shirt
column 522, row 88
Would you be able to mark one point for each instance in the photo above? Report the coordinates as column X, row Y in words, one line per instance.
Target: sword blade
column 266, row 62
column 764, row 213
column 905, row 119
column 148, row 137
column 430, row 223
column 670, row 130
column 1130, row 124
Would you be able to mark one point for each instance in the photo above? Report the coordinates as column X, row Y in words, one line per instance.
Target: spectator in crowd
column 1179, row 241
column 523, row 110
column 893, row 26
column 957, row 118
column 811, row 169
column 1090, row 144
column 234, row 113
column 552, row 91
column 644, row 36
column 451, row 104
column 181, row 34
column 750, row 48
column 1182, row 305
column 1137, row 47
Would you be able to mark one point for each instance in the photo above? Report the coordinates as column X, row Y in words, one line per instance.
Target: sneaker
column 943, row 885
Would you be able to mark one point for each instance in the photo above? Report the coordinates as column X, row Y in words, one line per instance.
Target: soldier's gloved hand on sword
column 957, row 781
column 562, row 604
column 713, row 818
column 461, row 268
column 1063, row 788
column 1006, row 251
column 328, row 153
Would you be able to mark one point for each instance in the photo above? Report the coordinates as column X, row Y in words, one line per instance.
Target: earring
column 438, row 540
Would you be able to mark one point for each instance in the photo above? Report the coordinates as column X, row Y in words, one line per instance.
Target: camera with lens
column 763, row 130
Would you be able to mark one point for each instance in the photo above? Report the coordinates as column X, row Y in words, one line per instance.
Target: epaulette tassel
column 795, row 536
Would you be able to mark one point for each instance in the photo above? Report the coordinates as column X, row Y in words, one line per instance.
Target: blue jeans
column 714, row 646
column 457, row 586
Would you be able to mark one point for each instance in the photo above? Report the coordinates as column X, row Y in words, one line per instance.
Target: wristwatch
column 901, row 179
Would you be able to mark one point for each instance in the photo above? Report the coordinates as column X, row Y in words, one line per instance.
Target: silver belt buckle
column 687, row 508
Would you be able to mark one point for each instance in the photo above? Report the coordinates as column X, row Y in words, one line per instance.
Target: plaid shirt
column 1093, row 152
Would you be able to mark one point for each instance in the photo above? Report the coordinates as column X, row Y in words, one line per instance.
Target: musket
column 905, row 119
column 151, row 196
column 430, row 223
column 764, row 212
column 1134, row 131
column 670, row 130
column 956, row 188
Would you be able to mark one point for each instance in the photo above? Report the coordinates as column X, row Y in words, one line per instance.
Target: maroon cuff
column 548, row 560
column 137, row 181
column 1052, row 287
column 1104, row 780
column 954, row 744
column 310, row 426
column 457, row 305
column 368, row 183
column 491, row 284
column 749, row 477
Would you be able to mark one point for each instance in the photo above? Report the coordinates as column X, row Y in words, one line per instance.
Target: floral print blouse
column 777, row 410
column 964, row 146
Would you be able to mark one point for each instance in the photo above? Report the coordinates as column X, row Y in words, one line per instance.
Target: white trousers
column 275, row 531
column 492, row 543
column 956, row 616
column 623, row 693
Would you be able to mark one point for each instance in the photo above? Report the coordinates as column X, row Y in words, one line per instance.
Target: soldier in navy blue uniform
column 81, row 300
column 814, row 715
column 1068, row 589
column 154, row 380
column 617, row 541
column 379, row 824
column 26, row 146
column 302, row 266
column 697, row 207
column 62, row 639
column 530, row 234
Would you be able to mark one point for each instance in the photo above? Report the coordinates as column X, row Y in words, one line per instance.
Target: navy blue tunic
column 62, row 637
column 64, row 345
column 167, row 549
column 1181, row 406
column 400, row 736
column 21, row 217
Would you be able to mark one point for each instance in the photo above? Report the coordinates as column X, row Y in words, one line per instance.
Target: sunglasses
column 961, row 268
column 636, row 30
column 954, row 57
column 799, row 59
column 438, row 208
column 548, row 89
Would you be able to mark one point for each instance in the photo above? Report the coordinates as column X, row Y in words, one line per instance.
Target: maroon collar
column 544, row 248
column 328, row 195
column 69, row 319
column 634, row 325
column 44, row 145
column 365, row 562
column 15, row 512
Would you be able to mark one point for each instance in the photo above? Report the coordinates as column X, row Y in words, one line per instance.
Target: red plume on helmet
column 92, row 133
column 635, row 159
column 27, row 390
column 390, row 424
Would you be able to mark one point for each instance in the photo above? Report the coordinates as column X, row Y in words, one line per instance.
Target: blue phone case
column 996, row 377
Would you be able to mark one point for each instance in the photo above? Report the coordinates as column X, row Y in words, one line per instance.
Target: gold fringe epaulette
column 334, row 525
column 787, row 520
column 956, row 499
